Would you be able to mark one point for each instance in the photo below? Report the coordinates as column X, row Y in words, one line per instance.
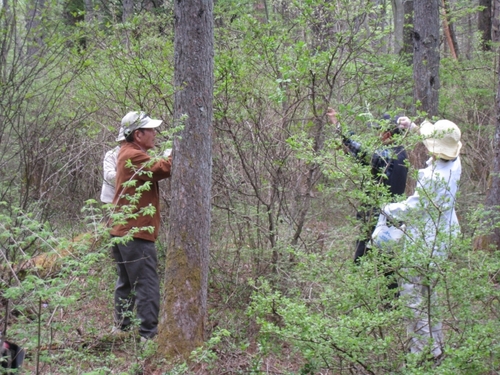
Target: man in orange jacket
column 136, row 260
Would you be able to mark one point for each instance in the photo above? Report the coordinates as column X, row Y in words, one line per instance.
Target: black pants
column 137, row 285
column 369, row 219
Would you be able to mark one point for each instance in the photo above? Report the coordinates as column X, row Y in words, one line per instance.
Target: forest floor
column 76, row 338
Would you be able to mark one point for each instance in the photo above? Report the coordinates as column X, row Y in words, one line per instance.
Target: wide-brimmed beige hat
column 442, row 139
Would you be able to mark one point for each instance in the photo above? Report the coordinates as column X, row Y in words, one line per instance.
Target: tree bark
column 408, row 31
column 127, row 14
column 89, row 11
column 426, row 56
column 484, row 24
column 182, row 324
column 449, row 31
column 495, row 22
column 128, row 10
column 7, row 25
column 34, row 29
column 398, row 15
column 492, row 201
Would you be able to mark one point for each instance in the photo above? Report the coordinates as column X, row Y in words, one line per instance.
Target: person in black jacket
column 388, row 167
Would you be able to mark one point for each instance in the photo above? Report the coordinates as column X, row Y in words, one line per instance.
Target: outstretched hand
column 332, row 116
column 404, row 122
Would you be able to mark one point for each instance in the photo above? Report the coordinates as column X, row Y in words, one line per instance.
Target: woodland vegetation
column 283, row 295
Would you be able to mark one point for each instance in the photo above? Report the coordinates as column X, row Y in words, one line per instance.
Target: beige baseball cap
column 138, row 120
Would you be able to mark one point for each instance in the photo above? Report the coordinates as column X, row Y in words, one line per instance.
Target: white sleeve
column 399, row 210
column 434, row 193
column 109, row 166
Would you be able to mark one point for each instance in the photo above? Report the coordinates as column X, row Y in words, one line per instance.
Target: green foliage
column 338, row 320
column 468, row 89
column 45, row 290
column 37, row 286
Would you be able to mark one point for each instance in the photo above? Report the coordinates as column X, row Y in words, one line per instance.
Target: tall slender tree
column 127, row 14
column 7, row 25
column 89, row 10
column 484, row 23
column 426, row 56
column 449, row 30
column 495, row 22
column 186, row 277
column 492, row 201
column 398, row 16
column 34, row 27
column 128, row 10
column 408, row 29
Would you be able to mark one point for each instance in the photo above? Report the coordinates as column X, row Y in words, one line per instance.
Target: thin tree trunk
column 127, row 14
column 398, row 15
column 449, row 31
column 495, row 22
column 128, row 10
column 313, row 173
column 484, row 24
column 451, row 25
column 89, row 11
column 492, row 201
column 5, row 41
column 377, row 19
column 34, row 29
column 468, row 41
column 407, row 49
column 182, row 324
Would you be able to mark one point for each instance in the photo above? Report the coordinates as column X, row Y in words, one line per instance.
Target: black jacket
column 389, row 167
column 388, row 164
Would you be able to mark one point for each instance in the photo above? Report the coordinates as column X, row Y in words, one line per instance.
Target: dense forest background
column 284, row 296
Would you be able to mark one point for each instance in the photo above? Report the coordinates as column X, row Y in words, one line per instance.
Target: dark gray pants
column 137, row 285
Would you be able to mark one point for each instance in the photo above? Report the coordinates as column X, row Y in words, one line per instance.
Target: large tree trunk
column 426, row 56
column 484, row 24
column 425, row 68
column 182, row 323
